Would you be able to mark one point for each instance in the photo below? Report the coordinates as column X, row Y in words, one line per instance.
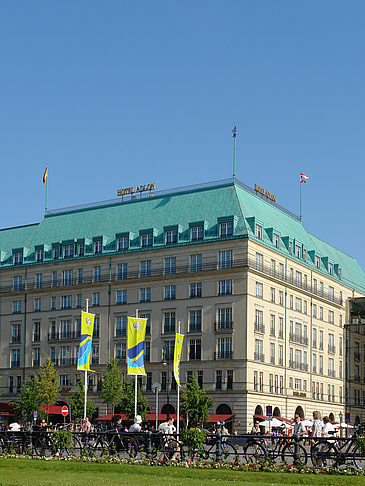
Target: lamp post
column 340, row 415
column 156, row 388
column 166, row 362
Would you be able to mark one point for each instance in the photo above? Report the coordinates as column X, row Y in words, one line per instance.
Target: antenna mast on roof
column 234, row 131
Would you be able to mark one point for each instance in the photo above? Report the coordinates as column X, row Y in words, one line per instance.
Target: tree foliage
column 47, row 384
column 29, row 400
column 112, row 385
column 128, row 401
column 195, row 402
column 77, row 402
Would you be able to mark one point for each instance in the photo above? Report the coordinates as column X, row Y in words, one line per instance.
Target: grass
column 24, row 472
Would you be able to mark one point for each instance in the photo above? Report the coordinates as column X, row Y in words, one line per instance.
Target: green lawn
column 36, row 472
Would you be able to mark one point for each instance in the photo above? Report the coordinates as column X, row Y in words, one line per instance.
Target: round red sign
column 64, row 410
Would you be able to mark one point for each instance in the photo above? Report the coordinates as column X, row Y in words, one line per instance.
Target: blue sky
column 119, row 93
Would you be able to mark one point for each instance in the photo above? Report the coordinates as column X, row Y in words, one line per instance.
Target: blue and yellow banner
column 177, row 356
column 87, row 329
column 135, row 353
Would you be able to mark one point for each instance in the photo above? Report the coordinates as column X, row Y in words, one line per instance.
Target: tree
column 128, row 401
column 112, row 385
column 47, row 383
column 77, row 403
column 195, row 402
column 29, row 401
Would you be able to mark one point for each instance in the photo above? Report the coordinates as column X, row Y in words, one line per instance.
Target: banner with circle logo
column 177, row 356
column 87, row 329
column 135, row 353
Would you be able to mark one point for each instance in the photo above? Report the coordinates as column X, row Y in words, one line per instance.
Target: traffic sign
column 268, row 411
column 347, row 417
column 64, row 410
column 35, row 413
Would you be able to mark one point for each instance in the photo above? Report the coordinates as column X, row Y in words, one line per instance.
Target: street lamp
column 156, row 387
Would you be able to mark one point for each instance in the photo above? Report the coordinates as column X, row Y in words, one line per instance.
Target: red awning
column 151, row 417
column 7, row 407
column 53, row 409
column 219, row 418
column 108, row 417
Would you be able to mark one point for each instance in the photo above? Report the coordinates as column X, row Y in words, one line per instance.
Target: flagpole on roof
column 300, row 201
column 234, row 131
column 45, row 182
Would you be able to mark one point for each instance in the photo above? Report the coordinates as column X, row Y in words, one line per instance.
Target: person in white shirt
column 328, row 429
column 168, row 428
column 136, row 426
column 16, row 426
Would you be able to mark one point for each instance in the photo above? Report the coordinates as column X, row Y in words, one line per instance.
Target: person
column 299, row 428
column 117, row 423
column 328, row 429
column 317, row 424
column 168, row 428
column 256, row 428
column 136, row 426
column 16, row 426
column 86, row 426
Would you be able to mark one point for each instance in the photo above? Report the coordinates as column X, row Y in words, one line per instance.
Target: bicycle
column 257, row 450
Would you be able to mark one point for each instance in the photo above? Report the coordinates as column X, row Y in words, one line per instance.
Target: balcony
column 120, row 333
column 15, row 339
column 223, row 326
column 65, row 362
column 332, row 373
column 223, row 355
column 259, row 357
column 258, row 327
column 357, row 356
column 331, row 349
column 15, row 364
column 297, row 365
column 66, row 336
column 95, row 360
column 299, row 339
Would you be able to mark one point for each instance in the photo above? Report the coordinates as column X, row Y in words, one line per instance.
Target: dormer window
column 258, row 231
column 276, row 240
column 146, row 239
column 68, row 251
column 298, row 252
column 330, row 268
column 98, row 246
column 290, row 247
column 56, row 252
column 171, row 237
column 317, row 262
column 123, row 243
column 18, row 257
column 39, row 255
column 226, row 228
column 197, row 232
column 81, row 248
column 304, row 254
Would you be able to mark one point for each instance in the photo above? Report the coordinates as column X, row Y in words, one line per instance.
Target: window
column 272, row 353
column 96, row 298
column 120, row 351
column 218, row 380
column 39, row 255
column 330, row 317
column 53, row 303
column 259, row 346
column 38, row 281
column 229, row 380
column 66, row 301
column 224, row 348
column 97, row 274
column 259, row 319
column 171, row 237
column 121, row 326
column 68, row 251
column 225, row 287
column 65, row 327
column 321, row 340
column 224, row 316
column 305, row 308
column 314, row 363
column 314, row 310
column 331, row 368
column 170, row 292
column 195, row 290
column 197, row 232
column 226, row 228
column 67, row 278
column 304, row 255
column 81, row 248
column 194, row 349
column 95, row 355
column 195, row 320
column 123, row 243
column 255, row 381
column 17, row 284
column 225, row 259
column 298, row 251
column 297, row 384
column 317, row 262
column 276, row 240
column 122, row 271
column 281, row 327
column 290, row 247
column 17, row 306
column 259, row 290
column 145, row 294
column 15, row 333
column 145, row 268
column 196, row 262
column 330, row 268
column 321, row 289
column 291, row 275
column 281, row 354
column 54, row 279
column 146, row 240
column 169, row 322
column 291, row 301
column 281, row 297
column 147, row 351
column 96, row 327
column 98, row 246
column 56, row 252
column 272, row 267
column 36, row 332
column 321, row 365
column 78, row 300
column 149, row 381
column 340, row 347
column 258, row 231
column 18, row 257
column 65, row 380
column 331, row 293
column 298, row 304
column 121, row 297
column 52, row 330
column 15, row 358
column 164, row 380
column 259, row 261
column 281, row 270
column 298, row 279
column 168, row 350
column 272, row 294
column 321, row 313
column 170, row 266
column 272, row 325
column 35, row 357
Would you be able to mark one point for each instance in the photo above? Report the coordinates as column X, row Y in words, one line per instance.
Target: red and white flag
column 303, row 177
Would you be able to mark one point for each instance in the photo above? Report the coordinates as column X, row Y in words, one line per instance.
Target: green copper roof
column 208, row 205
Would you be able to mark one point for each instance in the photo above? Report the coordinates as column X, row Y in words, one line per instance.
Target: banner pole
column 135, row 386
column 178, row 400
column 85, row 384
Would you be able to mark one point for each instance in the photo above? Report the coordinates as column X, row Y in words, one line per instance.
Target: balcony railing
column 331, row 349
column 65, row 362
column 259, row 357
column 66, row 336
column 120, row 332
column 357, row 356
column 223, row 355
column 297, row 365
column 15, row 339
column 258, row 327
column 223, row 326
column 298, row 338
column 332, row 373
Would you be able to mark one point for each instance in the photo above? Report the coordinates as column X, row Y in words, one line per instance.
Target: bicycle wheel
column 44, row 447
column 287, row 454
column 324, row 455
column 254, row 452
column 229, row 452
column 358, row 457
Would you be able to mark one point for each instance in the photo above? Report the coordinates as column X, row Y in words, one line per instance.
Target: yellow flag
column 177, row 356
column 135, row 353
column 87, row 329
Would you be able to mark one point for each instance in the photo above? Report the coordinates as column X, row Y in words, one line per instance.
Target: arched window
column 331, row 417
column 276, row 412
column 357, row 420
column 299, row 411
column 168, row 409
column 258, row 410
column 223, row 409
